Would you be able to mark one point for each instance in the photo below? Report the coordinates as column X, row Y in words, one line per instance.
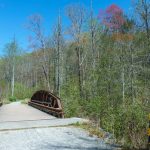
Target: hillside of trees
column 99, row 65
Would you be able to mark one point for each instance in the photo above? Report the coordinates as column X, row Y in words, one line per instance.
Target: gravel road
column 54, row 138
column 25, row 128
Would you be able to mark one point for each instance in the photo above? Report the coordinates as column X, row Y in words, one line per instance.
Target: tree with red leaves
column 112, row 17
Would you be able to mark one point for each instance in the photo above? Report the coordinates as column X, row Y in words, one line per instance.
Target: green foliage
column 128, row 124
column 12, row 99
column 104, row 75
column 70, row 96
column 136, row 125
column 22, row 92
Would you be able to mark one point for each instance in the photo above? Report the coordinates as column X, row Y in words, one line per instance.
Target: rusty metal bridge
column 47, row 102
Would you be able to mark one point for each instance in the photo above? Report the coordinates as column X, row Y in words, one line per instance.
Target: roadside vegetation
column 101, row 72
column 92, row 129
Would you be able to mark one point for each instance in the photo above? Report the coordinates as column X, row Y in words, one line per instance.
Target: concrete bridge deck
column 21, row 112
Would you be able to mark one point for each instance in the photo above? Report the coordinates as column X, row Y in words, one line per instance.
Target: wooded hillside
column 99, row 65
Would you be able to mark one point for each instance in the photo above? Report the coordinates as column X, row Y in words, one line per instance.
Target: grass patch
column 8, row 101
column 5, row 101
column 92, row 129
column 25, row 101
column 12, row 99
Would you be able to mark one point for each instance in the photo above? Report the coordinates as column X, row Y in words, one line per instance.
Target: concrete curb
column 18, row 125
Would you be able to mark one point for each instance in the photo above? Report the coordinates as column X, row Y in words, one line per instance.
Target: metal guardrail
column 47, row 102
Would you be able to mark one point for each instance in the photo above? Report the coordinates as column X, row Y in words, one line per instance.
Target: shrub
column 22, row 91
column 12, row 99
column 70, row 100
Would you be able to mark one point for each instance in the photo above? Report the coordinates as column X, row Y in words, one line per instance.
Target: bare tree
column 93, row 27
column 58, row 45
column 35, row 26
column 143, row 9
column 77, row 15
column 11, row 51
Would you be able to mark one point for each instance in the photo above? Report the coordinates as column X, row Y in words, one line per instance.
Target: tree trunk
column 13, row 81
column 79, row 71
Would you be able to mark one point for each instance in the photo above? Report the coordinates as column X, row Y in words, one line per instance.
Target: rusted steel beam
column 47, row 110
column 51, row 108
column 48, row 102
